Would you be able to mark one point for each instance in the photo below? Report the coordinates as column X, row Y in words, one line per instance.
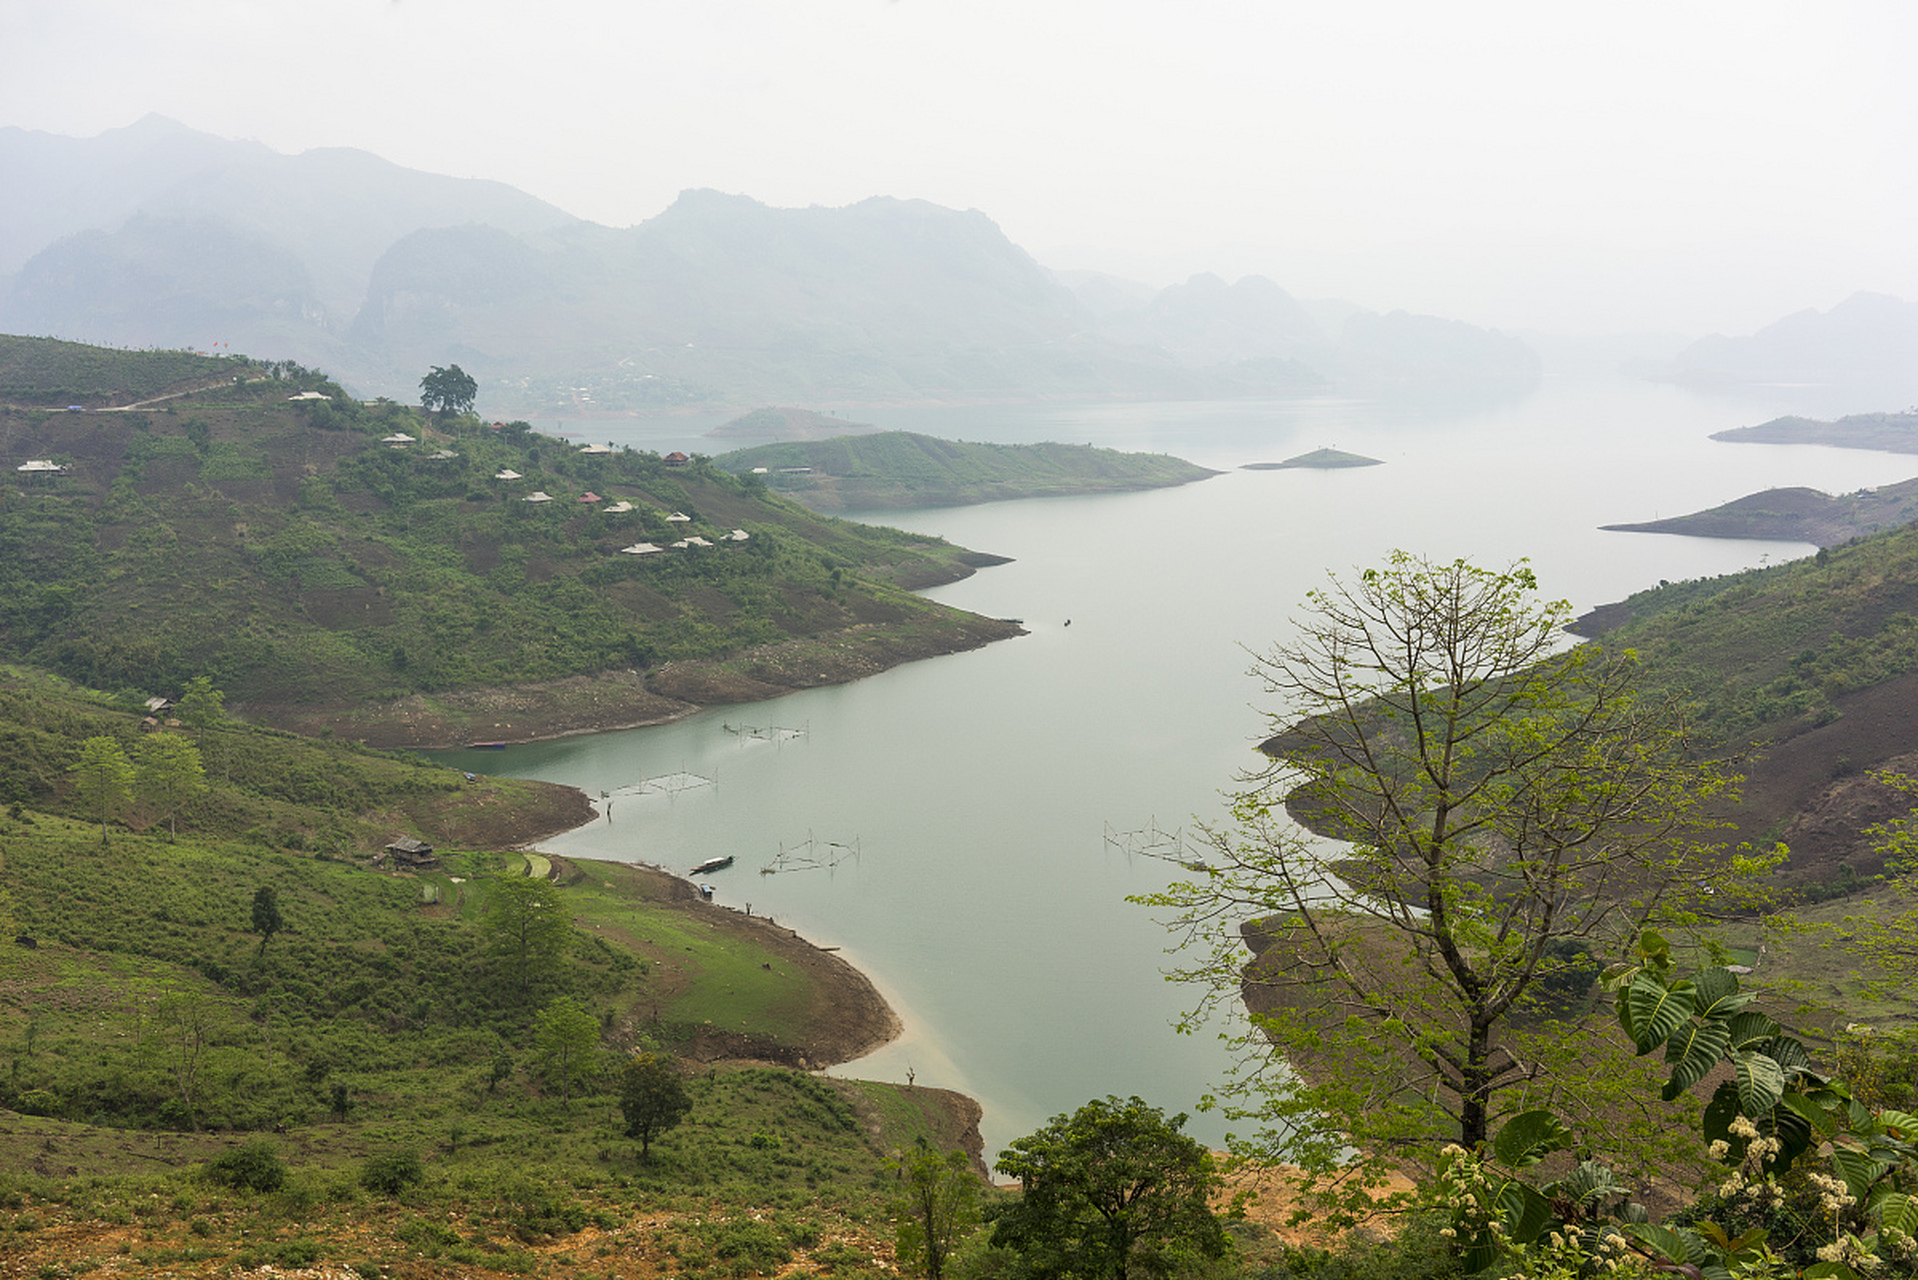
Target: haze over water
column 984, row 901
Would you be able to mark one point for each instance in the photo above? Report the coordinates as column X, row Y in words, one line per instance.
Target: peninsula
column 1796, row 514
column 1884, row 432
column 900, row 469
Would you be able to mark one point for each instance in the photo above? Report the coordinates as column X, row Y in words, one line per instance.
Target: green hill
column 325, row 576
column 899, row 469
column 783, row 423
column 47, row 371
column 390, row 1023
column 1809, row 670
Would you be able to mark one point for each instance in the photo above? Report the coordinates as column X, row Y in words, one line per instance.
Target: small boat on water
column 712, row 864
column 486, row 746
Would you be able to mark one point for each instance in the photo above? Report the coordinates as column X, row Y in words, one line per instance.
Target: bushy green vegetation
column 284, row 549
column 263, row 787
column 1760, row 649
column 895, row 469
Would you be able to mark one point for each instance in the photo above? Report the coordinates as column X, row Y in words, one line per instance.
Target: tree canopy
column 267, row 919
column 525, row 926
column 1113, row 1190
column 1512, row 807
column 938, row 1204
column 170, row 773
column 565, row 1042
column 652, row 1098
column 102, row 780
column 448, row 390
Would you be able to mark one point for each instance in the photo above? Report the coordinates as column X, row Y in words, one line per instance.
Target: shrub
column 391, row 1173
column 253, row 1167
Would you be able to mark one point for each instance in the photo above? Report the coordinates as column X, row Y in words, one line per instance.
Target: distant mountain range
column 1869, row 340
column 158, row 235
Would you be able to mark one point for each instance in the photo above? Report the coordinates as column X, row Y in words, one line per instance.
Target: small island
column 1318, row 460
column 901, row 469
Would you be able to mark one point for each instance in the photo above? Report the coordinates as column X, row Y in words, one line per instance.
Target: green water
column 984, row 899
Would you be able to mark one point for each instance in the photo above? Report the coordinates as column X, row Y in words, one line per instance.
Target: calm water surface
column 984, row 900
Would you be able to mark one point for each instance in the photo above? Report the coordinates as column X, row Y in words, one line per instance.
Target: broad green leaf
column 1900, row 1212
column 1819, row 1117
column 1726, row 1006
column 1750, row 1028
column 1900, row 1123
column 1788, row 1053
column 1588, row 1184
column 1714, row 987
column 1528, row 1138
column 1524, row 1211
column 1657, row 1010
column 1663, row 1239
column 1761, row 1082
column 1791, row 1129
column 1828, row 1271
column 1858, row 1169
column 1654, row 948
column 1694, row 1048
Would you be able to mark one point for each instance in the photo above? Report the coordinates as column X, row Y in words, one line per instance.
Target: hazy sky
column 1579, row 167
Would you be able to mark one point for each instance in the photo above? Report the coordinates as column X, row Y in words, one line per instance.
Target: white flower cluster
column 1749, row 1178
column 1850, row 1251
column 1834, row 1197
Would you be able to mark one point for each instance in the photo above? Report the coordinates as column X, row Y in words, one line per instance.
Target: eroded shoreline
column 632, row 699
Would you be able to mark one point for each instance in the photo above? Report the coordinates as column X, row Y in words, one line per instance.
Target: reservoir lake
column 965, row 803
